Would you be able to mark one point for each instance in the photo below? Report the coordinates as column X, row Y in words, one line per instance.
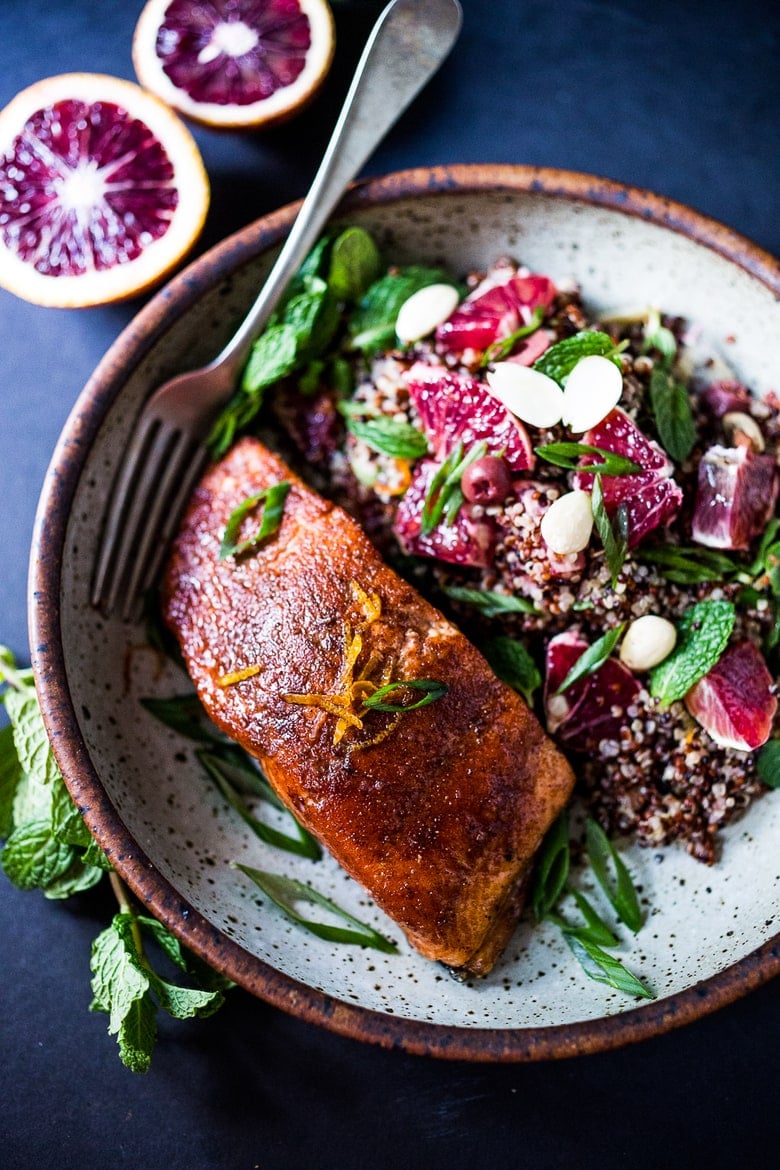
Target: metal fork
column 166, row 453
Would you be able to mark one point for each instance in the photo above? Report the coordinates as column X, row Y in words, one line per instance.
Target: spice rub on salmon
column 437, row 810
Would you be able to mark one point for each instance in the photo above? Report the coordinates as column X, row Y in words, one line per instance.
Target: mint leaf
column 559, row 360
column 185, row 1003
column 30, row 738
column 67, row 824
column 137, row 1034
column 514, row 665
column 768, row 764
column 10, row 775
column 32, row 858
column 372, row 326
column 118, row 977
column 671, row 407
column 355, row 264
column 390, row 436
column 703, row 634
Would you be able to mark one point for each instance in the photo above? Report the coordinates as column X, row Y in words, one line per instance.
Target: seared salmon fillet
column 436, row 811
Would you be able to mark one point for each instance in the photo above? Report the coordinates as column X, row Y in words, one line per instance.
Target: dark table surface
column 681, row 96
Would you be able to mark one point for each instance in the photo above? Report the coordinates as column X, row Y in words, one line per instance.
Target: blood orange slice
column 102, row 191
column 234, row 63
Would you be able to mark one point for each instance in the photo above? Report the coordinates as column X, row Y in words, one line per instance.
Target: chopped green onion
column 613, row 530
column 593, row 658
column 570, row 454
column 605, row 968
column 688, row 565
column 595, row 929
column 501, row 349
column 303, row 843
column 618, row 888
column 444, row 496
column 286, row 893
column 433, row 690
column 552, row 867
column 272, row 500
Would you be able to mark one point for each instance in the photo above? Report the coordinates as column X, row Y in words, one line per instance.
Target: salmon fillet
column 438, row 811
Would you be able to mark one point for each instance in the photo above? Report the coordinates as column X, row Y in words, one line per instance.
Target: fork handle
column 407, row 45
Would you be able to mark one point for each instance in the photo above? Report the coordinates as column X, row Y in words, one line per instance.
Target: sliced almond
column 592, row 389
column 420, row 314
column 568, row 522
column 529, row 394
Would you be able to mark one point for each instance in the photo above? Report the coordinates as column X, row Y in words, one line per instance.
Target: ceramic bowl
column 711, row 933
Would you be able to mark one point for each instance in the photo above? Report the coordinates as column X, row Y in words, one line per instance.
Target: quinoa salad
column 592, row 500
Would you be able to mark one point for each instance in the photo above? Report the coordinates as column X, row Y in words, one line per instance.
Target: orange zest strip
column 237, row 676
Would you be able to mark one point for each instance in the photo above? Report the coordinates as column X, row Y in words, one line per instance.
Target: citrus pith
column 234, row 63
column 102, row 191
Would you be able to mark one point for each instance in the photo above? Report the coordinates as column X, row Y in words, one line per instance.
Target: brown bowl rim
column 57, row 704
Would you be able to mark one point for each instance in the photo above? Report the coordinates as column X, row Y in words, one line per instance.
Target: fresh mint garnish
column 559, row 360
column 488, row 602
column 389, row 436
column 355, row 264
column 671, row 406
column 372, row 325
column 768, row 763
column 513, row 664
column 703, row 634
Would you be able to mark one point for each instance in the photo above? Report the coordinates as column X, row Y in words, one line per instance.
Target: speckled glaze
column 711, row 933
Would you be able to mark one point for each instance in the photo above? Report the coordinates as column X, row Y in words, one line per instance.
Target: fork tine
column 159, row 489
column 104, row 581
column 185, row 465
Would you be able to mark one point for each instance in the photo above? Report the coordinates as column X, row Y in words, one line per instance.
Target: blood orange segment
column 495, row 312
column 102, row 191
column 234, row 63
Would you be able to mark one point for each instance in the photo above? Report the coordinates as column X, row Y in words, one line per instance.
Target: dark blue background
column 681, row 97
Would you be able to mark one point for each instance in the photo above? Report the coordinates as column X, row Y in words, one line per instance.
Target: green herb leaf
column 287, row 893
column 688, row 565
column 571, row 454
column 302, row 844
column 444, row 496
column 613, row 530
column 355, row 264
column 671, row 407
column 703, row 635
column 514, row 665
column 503, row 348
column 432, row 687
column 605, row 968
column 559, row 360
column 10, row 775
column 552, row 867
column 136, row 1035
column 183, row 714
column 33, row 858
column 372, row 326
column 390, row 436
column 119, row 984
column 593, row 658
column 67, row 824
column 768, row 764
column 32, row 743
column 272, row 500
column 595, row 929
column 659, row 338
column 489, row 603
column 617, row 885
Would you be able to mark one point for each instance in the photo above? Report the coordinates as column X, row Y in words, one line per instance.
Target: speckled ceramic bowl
column 711, row 932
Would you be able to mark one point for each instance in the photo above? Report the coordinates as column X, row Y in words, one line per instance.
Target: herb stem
column 123, row 901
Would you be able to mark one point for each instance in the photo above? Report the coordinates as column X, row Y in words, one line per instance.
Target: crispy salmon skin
column 437, row 811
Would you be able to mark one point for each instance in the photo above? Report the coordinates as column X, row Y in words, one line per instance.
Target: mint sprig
column 703, row 634
column 559, row 360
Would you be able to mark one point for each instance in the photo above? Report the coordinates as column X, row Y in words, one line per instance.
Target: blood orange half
column 102, row 191
column 234, row 63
